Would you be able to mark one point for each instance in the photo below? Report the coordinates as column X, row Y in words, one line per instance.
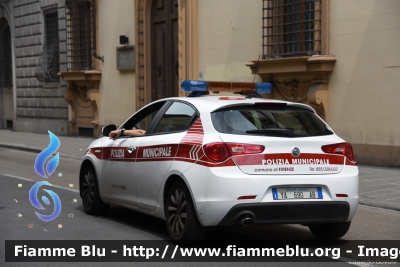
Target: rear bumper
column 306, row 212
column 216, row 192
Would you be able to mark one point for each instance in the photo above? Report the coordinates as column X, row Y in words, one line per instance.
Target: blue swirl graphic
column 46, row 200
column 45, row 154
column 35, row 202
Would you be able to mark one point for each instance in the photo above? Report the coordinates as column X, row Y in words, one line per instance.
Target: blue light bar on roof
column 203, row 86
column 263, row 88
column 194, row 86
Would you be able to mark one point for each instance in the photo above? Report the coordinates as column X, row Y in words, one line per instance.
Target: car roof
column 211, row 103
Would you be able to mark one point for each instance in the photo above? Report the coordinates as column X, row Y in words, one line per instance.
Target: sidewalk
column 71, row 147
column 379, row 186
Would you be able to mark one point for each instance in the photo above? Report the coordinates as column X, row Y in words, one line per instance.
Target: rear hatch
column 279, row 139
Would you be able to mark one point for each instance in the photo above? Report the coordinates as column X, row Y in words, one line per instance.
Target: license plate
column 297, row 193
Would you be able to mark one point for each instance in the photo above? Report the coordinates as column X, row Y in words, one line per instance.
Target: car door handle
column 131, row 149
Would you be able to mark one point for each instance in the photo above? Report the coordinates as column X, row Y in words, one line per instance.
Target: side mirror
column 106, row 130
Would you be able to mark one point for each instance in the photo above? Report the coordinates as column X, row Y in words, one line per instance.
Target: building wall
column 229, row 36
column 117, row 87
column 364, row 86
column 40, row 106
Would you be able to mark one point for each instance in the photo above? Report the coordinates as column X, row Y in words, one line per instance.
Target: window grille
column 5, row 55
column 291, row 28
column 80, row 35
column 49, row 61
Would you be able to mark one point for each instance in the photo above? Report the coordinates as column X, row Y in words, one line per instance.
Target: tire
column 330, row 230
column 91, row 200
column 180, row 215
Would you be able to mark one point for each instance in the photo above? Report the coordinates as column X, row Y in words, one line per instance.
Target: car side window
column 177, row 118
column 143, row 119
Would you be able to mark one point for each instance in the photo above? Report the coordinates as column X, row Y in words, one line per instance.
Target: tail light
column 239, row 149
column 342, row 149
column 221, row 151
column 217, row 151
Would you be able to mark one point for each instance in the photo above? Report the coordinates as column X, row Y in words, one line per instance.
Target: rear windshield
column 282, row 121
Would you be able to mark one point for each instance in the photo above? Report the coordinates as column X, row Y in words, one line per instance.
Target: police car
column 225, row 160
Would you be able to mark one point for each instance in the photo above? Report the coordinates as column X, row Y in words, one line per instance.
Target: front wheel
column 330, row 230
column 180, row 215
column 91, row 200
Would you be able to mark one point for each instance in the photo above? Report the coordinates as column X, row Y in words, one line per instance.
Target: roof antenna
column 252, row 85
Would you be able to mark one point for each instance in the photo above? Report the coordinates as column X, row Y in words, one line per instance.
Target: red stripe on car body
column 195, row 134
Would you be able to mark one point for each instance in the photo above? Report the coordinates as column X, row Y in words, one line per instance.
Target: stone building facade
column 338, row 56
column 35, row 98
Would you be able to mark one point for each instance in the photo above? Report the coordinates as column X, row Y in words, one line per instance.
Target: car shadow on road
column 157, row 228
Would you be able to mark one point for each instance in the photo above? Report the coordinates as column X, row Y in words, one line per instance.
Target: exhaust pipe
column 246, row 221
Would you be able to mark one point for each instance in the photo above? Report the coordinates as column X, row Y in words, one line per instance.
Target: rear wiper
column 272, row 131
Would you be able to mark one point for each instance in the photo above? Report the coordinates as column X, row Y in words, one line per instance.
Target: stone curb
column 379, row 203
column 34, row 150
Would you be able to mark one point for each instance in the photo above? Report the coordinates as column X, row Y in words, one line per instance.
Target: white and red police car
column 225, row 160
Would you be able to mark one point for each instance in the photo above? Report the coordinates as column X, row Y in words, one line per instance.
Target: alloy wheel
column 177, row 211
column 88, row 190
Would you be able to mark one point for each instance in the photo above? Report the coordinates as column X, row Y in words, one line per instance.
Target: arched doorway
column 6, row 90
column 164, row 49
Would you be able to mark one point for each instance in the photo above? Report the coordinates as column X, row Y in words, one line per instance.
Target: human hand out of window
column 116, row 133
